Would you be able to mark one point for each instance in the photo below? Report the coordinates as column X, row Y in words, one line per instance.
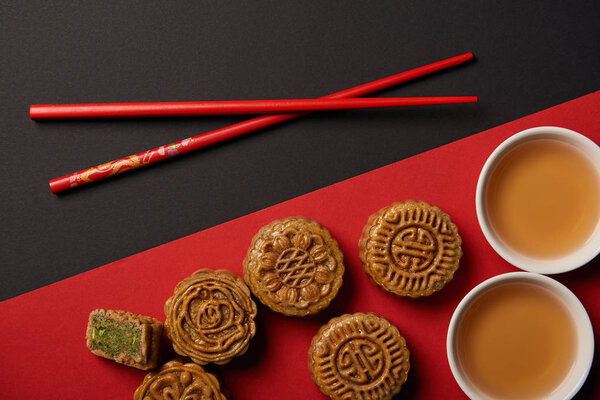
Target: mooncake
column 359, row 356
column 177, row 381
column 125, row 337
column 294, row 266
column 410, row 249
column 210, row 317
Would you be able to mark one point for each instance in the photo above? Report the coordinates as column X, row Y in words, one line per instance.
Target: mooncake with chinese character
column 410, row 249
column 294, row 266
column 125, row 337
column 178, row 381
column 359, row 356
column 210, row 317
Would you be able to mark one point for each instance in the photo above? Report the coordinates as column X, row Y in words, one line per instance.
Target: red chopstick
column 196, row 108
column 153, row 156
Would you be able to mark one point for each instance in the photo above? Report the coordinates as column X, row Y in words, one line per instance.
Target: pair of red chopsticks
column 346, row 99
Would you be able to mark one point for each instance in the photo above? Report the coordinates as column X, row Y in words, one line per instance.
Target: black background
column 530, row 55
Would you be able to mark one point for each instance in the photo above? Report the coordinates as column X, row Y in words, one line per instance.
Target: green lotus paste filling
column 114, row 337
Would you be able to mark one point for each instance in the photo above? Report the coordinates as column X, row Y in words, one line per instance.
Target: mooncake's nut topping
column 294, row 266
column 210, row 318
column 174, row 381
column 410, row 249
column 359, row 356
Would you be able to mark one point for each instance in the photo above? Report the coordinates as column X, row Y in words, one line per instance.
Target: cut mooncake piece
column 178, row 381
column 125, row 337
column 294, row 266
column 359, row 356
column 410, row 249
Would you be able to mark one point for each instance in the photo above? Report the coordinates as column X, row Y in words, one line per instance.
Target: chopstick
column 197, row 108
column 158, row 154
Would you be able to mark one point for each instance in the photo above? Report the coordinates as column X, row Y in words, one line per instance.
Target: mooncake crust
column 151, row 333
column 210, row 317
column 410, row 248
column 175, row 380
column 359, row 356
column 294, row 266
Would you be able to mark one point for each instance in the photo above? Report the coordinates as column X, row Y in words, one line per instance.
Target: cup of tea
column 538, row 200
column 520, row 335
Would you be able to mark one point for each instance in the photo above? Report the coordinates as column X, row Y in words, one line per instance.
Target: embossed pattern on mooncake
column 210, row 317
column 359, row 356
column 410, row 249
column 294, row 266
column 177, row 381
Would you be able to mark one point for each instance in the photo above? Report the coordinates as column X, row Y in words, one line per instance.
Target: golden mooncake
column 294, row 266
column 410, row 249
column 177, row 381
column 210, row 317
column 359, row 356
column 125, row 337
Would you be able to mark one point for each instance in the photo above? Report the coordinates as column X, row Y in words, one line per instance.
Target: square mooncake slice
column 125, row 337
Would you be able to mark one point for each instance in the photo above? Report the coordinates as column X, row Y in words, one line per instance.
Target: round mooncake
column 294, row 266
column 174, row 381
column 210, row 318
column 410, row 249
column 359, row 356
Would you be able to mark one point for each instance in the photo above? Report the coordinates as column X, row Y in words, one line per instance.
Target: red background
column 42, row 344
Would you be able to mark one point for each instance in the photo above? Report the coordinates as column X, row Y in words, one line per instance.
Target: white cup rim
column 583, row 326
column 565, row 263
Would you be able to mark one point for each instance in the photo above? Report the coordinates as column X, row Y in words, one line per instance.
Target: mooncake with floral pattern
column 210, row 317
column 294, row 266
column 178, row 381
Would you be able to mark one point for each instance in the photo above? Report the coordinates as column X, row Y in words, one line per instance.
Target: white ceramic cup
column 583, row 327
column 568, row 262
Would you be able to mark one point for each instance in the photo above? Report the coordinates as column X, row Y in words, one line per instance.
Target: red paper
column 42, row 345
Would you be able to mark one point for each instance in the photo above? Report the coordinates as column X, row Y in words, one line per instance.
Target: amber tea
column 543, row 198
column 517, row 341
